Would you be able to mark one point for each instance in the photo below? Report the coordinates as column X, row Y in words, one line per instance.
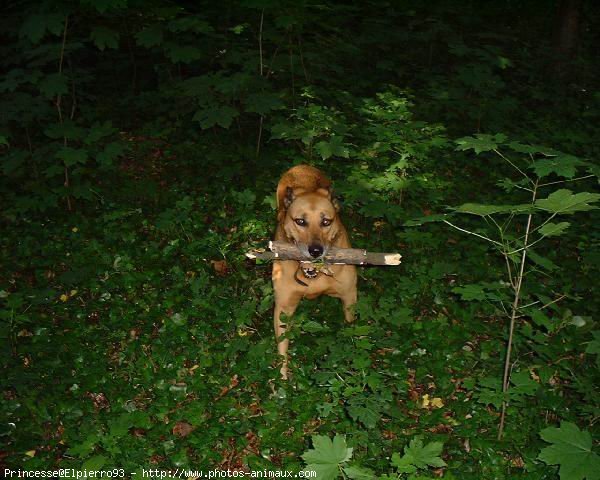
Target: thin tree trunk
column 566, row 35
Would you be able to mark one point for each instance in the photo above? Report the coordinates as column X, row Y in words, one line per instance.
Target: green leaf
column 72, row 156
column 262, row 103
column 110, row 153
column 104, row 38
column 483, row 210
column 103, row 6
column 415, row 222
column 471, row 292
column 53, row 85
column 190, row 24
column 562, row 165
column 94, row 463
column 365, row 411
column 523, row 384
column 359, row 473
column 416, row 456
column 541, row 319
column 150, row 36
column 541, row 260
column 571, row 449
column 326, row 456
column 36, row 26
column 215, row 115
column 565, row 202
column 532, row 149
column 593, row 347
column 480, row 142
column 182, row 53
column 554, row 229
column 333, row 148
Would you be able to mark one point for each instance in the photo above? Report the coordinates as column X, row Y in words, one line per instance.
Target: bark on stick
column 340, row 256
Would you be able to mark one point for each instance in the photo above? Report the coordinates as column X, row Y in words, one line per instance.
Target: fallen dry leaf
column 427, row 402
column 220, row 266
column 182, row 429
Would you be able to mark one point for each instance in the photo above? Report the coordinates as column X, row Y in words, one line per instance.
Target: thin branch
column 515, row 308
column 523, row 188
column 523, row 307
column 568, row 180
column 513, row 165
column 473, row 233
column 261, row 68
column 67, row 181
column 553, row 302
column 260, row 32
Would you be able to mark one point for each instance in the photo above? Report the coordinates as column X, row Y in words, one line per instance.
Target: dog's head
column 311, row 220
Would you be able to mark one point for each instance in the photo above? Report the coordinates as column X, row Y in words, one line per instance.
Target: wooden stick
column 339, row 256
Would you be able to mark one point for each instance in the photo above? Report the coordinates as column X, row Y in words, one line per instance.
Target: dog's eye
column 326, row 222
column 300, row 221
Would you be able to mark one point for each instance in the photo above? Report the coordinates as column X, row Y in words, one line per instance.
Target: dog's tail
column 300, row 177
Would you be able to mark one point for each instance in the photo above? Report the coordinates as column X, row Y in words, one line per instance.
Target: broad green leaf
column 103, row 6
column 85, row 447
column 104, row 38
column 554, row 229
column 359, row 473
column 561, row 165
column 67, row 130
column 480, row 142
column 438, row 217
column 416, row 456
column 366, row 411
column 332, row 148
column 541, row 319
column 53, row 85
column 471, row 292
column 563, row 201
column 532, row 149
column 98, row 131
column 483, row 210
column 213, row 115
column 571, row 449
column 541, row 260
column 72, row 156
column 110, row 153
column 149, row 36
column 262, row 103
column 326, row 456
column 314, row 327
column 523, row 384
column 593, row 347
column 190, row 24
column 94, row 463
column 182, row 53
column 36, row 26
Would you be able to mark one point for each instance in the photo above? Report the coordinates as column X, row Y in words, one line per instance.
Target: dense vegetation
column 141, row 145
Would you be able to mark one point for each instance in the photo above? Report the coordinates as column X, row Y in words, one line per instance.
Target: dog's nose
column 315, row 251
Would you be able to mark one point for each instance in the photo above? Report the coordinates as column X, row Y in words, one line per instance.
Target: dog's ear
column 336, row 204
column 334, row 199
column 289, row 197
column 328, row 193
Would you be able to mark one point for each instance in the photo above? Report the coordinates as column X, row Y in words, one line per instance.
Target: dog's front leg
column 349, row 302
column 286, row 306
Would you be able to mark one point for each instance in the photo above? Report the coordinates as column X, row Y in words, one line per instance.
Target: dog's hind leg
column 286, row 306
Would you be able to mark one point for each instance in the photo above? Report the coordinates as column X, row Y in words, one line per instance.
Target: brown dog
column 307, row 215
